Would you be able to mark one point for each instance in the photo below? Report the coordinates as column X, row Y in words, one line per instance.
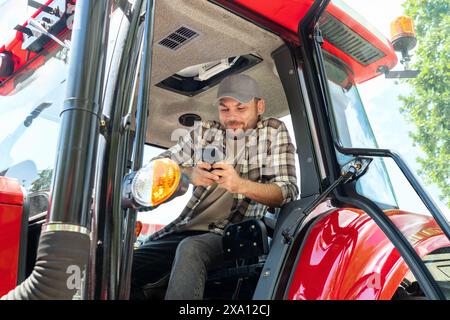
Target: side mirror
column 38, row 203
column 159, row 181
column 26, row 172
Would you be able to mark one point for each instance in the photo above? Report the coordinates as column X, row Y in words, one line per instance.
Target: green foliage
column 43, row 182
column 428, row 106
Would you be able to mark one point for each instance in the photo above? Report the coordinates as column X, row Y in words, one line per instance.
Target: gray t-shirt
column 217, row 204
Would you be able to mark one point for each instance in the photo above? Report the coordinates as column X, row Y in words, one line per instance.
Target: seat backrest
column 247, row 239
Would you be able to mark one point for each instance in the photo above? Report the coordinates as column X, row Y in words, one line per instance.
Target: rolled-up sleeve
column 281, row 169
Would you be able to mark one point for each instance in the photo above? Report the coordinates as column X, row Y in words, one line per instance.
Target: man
column 257, row 171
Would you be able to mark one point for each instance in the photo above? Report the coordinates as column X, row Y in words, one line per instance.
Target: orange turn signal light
column 166, row 176
column 156, row 182
column 138, row 228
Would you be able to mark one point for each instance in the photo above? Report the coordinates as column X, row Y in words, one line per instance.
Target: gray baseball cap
column 240, row 87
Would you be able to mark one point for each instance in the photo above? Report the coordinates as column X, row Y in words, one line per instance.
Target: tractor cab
column 92, row 91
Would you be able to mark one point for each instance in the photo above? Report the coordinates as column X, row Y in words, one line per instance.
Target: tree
column 428, row 106
column 43, row 182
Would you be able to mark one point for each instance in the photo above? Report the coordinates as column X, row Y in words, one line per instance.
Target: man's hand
column 268, row 194
column 200, row 175
column 229, row 179
column 226, row 177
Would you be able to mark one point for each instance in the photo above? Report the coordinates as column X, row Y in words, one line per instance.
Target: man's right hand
column 200, row 176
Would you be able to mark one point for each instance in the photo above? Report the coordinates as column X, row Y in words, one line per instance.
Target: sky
column 9, row 21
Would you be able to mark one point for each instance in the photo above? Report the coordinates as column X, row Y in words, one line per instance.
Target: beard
column 234, row 125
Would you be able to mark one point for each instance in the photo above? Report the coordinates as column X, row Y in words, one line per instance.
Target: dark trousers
column 187, row 256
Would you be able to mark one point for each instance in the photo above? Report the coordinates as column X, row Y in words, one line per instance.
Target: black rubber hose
column 61, row 261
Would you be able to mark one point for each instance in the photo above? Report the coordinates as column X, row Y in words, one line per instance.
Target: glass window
column 352, row 130
column 352, row 125
column 288, row 122
column 30, row 112
column 29, row 118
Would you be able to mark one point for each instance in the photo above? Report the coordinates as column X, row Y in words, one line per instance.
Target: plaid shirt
column 269, row 157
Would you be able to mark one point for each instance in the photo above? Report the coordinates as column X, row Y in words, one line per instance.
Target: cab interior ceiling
column 222, row 34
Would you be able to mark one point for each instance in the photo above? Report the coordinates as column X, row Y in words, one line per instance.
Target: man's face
column 236, row 115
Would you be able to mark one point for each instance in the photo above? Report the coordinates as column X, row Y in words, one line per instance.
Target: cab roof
column 350, row 37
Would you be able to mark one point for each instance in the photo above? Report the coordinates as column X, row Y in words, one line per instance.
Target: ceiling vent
column 195, row 79
column 179, row 38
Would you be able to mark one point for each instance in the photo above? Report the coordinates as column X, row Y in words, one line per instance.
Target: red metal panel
column 285, row 13
column 289, row 13
column 10, row 191
column 21, row 57
column 362, row 73
column 25, row 61
column 11, row 200
column 346, row 256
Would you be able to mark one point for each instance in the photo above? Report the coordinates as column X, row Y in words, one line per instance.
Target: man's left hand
column 229, row 179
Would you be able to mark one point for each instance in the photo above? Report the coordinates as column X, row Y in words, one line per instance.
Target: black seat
column 247, row 239
column 245, row 246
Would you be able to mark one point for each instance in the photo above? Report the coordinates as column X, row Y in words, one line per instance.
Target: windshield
column 30, row 102
column 29, row 118
column 30, row 111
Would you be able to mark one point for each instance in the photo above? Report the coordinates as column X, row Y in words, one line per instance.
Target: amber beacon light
column 403, row 36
